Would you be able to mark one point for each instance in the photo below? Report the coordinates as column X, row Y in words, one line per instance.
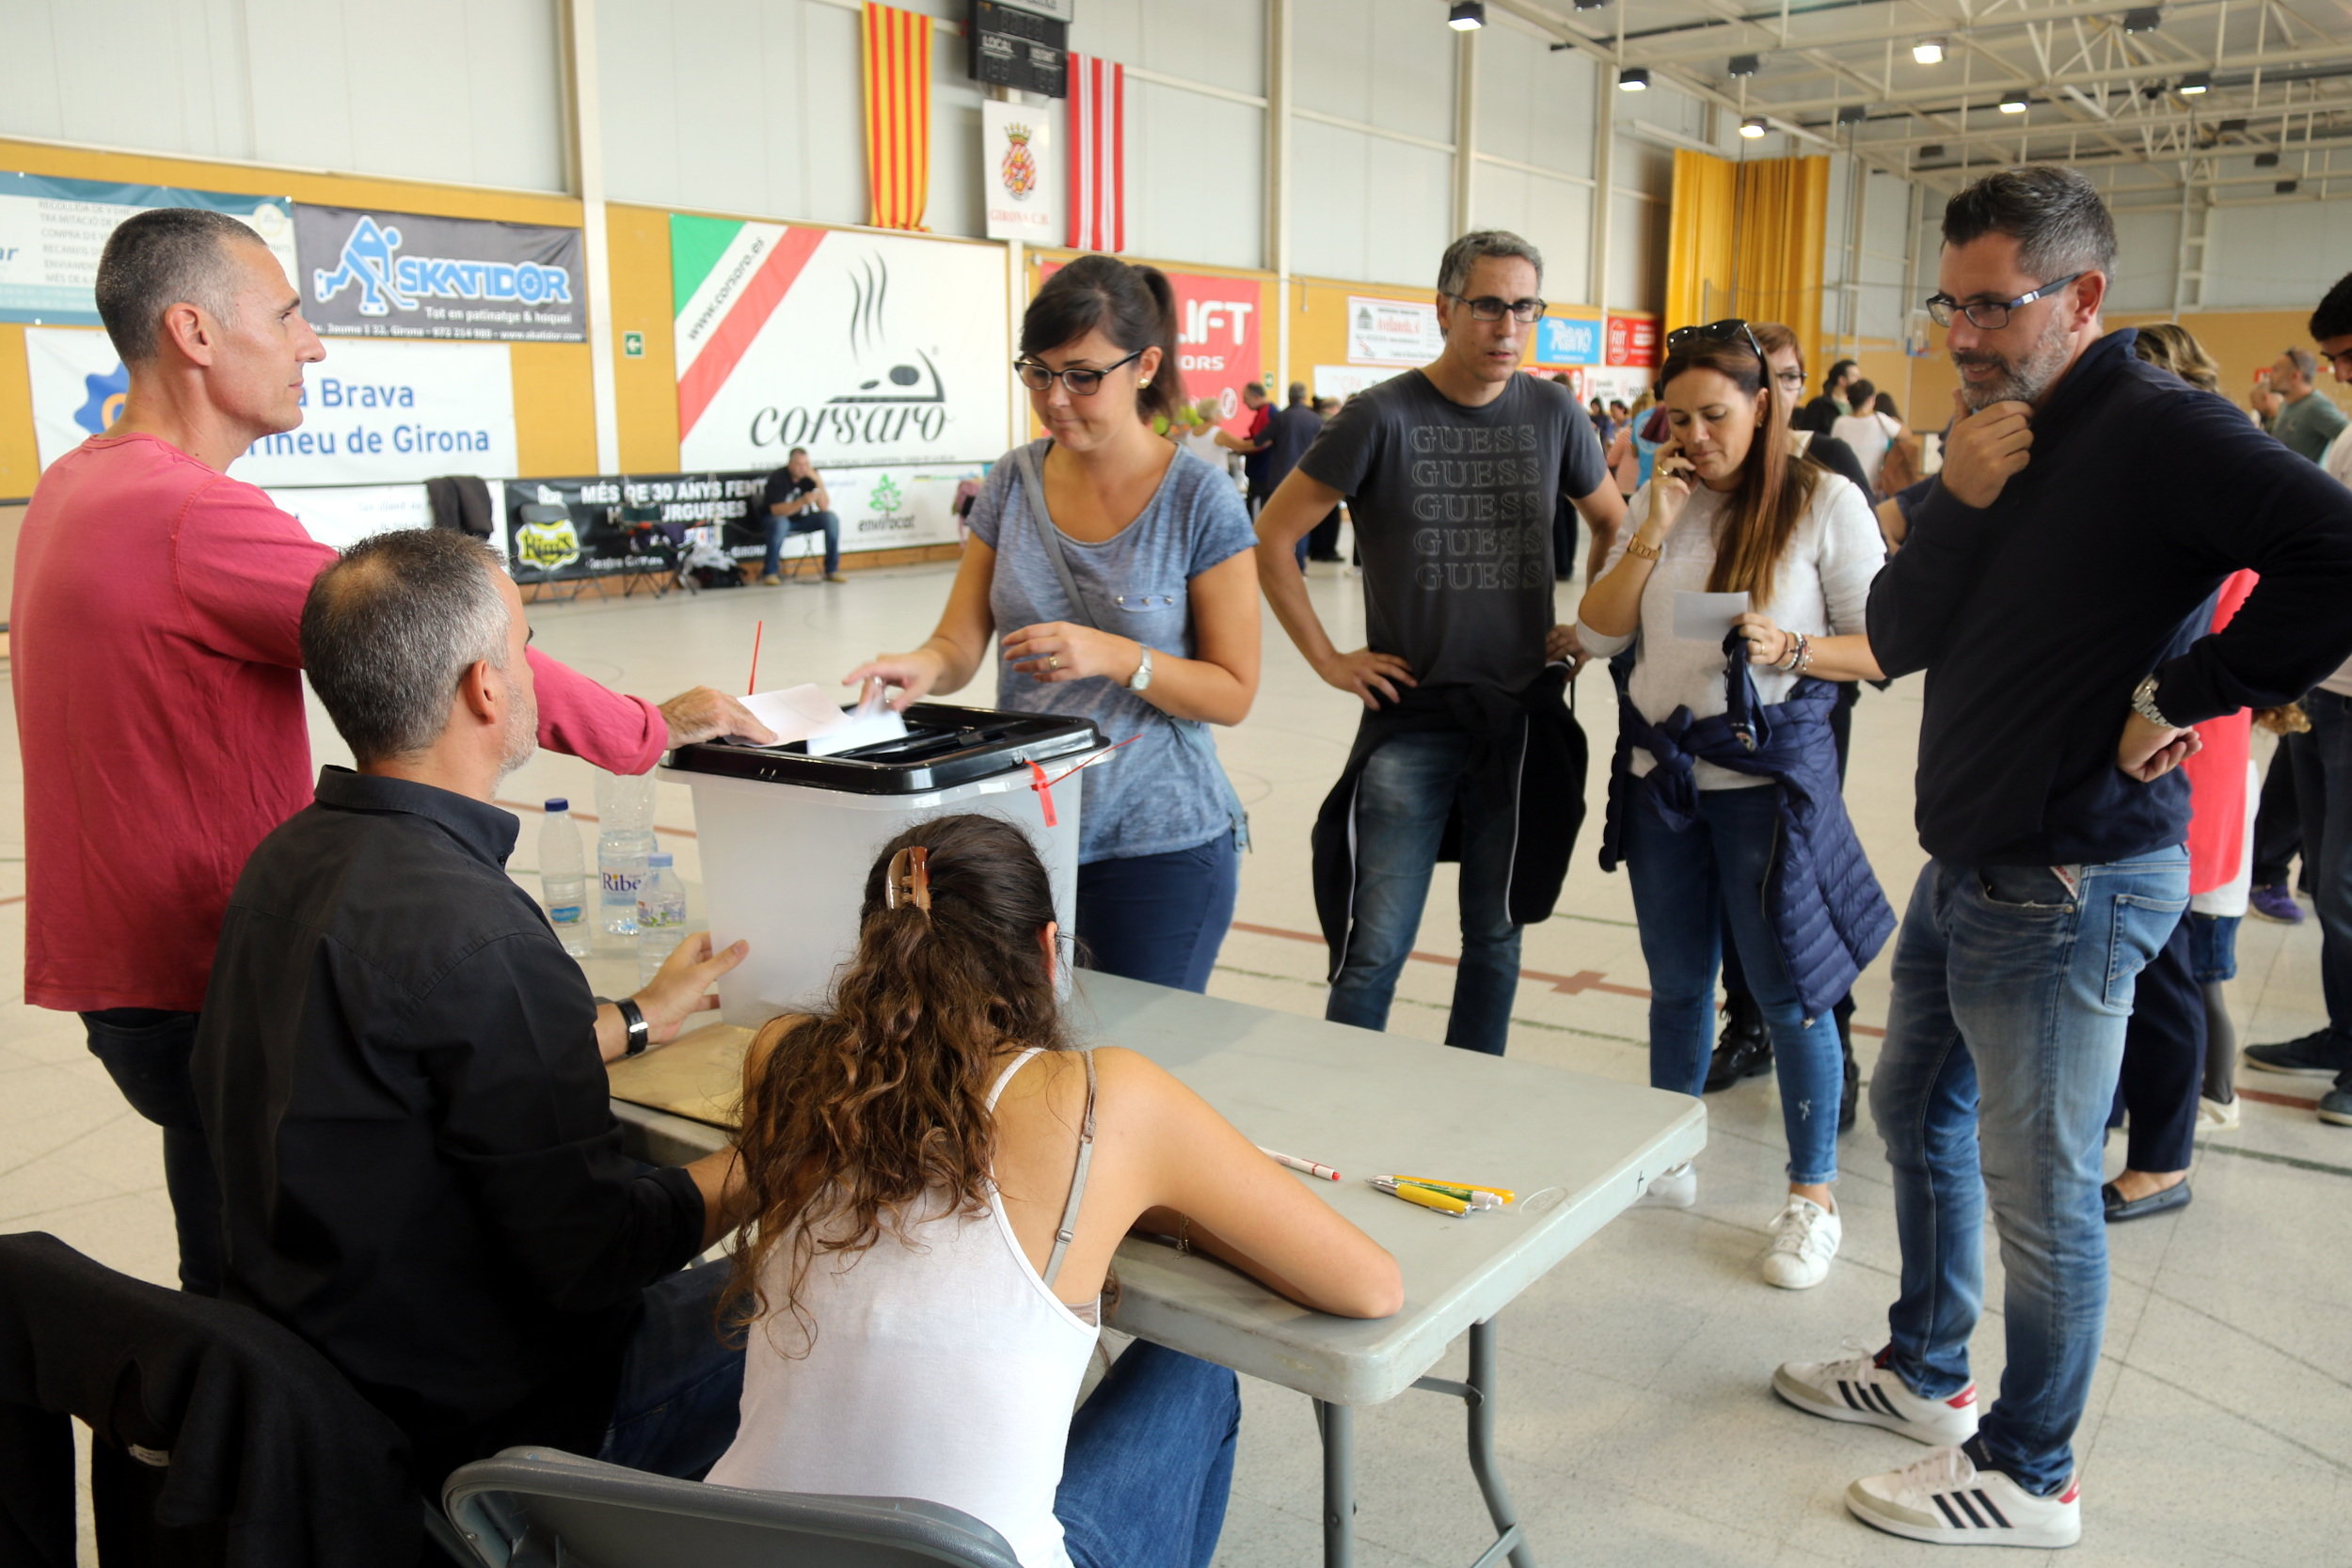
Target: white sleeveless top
column 942, row 1370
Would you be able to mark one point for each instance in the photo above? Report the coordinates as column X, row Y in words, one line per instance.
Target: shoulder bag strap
column 1033, row 480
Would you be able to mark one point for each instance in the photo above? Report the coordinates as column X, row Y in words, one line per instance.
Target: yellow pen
column 1503, row 1193
column 1424, row 1196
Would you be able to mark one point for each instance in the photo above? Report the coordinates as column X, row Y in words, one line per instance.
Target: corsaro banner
column 371, row 413
column 406, row 274
column 867, row 349
column 52, row 231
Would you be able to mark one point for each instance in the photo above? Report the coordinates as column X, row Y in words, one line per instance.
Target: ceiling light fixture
column 2144, row 18
column 1753, row 127
column 2285, row 187
column 1744, row 65
column 2266, row 160
column 1932, row 149
column 2015, row 103
column 1852, row 114
column 1928, row 51
column 1634, row 78
column 2196, row 82
column 1467, row 15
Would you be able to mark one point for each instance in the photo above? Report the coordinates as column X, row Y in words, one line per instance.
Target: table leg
column 1338, row 1423
column 1481, row 1400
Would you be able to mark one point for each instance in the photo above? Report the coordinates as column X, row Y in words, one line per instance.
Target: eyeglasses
column 1990, row 315
column 1792, row 377
column 1489, row 307
column 1082, row 383
column 1685, row 339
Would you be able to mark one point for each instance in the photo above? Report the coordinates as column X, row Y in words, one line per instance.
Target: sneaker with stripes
column 1863, row 1390
column 1945, row 1498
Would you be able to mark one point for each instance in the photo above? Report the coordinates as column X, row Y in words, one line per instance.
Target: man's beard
column 2023, row 380
column 522, row 734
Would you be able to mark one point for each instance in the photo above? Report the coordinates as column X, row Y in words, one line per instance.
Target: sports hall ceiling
column 2100, row 83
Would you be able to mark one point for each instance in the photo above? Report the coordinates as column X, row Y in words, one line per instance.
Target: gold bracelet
column 1647, row 552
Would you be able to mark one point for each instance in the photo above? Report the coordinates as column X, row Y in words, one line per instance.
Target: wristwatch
column 2144, row 704
column 1141, row 679
column 633, row 1020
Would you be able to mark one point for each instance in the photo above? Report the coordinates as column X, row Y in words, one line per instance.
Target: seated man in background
column 402, row 1074
column 798, row 503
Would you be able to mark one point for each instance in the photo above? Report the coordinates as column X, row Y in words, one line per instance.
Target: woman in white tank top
column 940, row 1181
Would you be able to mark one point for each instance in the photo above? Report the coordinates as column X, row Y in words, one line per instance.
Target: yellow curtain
column 1747, row 240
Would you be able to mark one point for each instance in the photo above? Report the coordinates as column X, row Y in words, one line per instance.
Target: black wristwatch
column 633, row 1020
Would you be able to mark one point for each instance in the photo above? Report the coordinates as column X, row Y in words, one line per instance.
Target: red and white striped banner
column 1098, row 154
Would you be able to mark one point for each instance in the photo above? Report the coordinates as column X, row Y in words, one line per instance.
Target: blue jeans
column 2323, row 795
column 1690, row 886
column 1160, row 918
column 1149, row 1463
column 1404, row 798
column 681, row 1389
column 2003, row 1042
column 806, row 522
column 145, row 1050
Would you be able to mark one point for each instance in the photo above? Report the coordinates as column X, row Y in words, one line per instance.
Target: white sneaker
column 1946, row 1500
column 2215, row 1115
column 1859, row 1389
column 1804, row 1239
column 1676, row 1187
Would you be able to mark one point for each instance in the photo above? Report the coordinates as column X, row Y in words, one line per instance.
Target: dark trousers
column 2323, row 790
column 1159, row 918
column 1323, row 540
column 145, row 1050
column 2277, row 820
column 779, row 528
column 2164, row 1058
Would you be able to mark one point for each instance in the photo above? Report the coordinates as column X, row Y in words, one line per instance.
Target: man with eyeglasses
column 2055, row 585
column 2322, row 765
column 1451, row 474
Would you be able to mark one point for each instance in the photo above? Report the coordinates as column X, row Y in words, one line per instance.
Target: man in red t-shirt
column 157, row 672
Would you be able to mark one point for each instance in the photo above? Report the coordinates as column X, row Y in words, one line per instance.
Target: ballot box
column 787, row 838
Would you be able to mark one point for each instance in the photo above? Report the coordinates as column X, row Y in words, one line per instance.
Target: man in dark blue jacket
column 2055, row 586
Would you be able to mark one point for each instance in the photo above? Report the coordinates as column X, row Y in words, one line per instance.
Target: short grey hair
column 2306, row 363
column 388, row 630
column 1454, row 269
column 2055, row 215
column 160, row 258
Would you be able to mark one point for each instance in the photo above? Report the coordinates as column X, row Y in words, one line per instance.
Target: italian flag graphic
column 726, row 279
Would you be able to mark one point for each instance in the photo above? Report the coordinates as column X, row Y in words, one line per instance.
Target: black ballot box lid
column 943, row 746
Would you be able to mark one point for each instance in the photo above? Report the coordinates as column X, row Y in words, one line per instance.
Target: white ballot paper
column 1707, row 617
column 805, row 713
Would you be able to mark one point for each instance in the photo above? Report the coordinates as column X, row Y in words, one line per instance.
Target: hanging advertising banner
column 406, row 274
column 1569, row 340
column 340, row 515
column 52, row 230
column 1021, row 170
column 1392, row 331
column 1219, row 340
column 1346, row 381
column 371, row 414
column 864, row 348
column 1633, row 341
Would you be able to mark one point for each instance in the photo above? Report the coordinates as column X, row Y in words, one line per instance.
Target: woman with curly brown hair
column 938, row 1180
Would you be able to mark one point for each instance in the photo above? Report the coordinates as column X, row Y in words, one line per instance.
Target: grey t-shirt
column 1166, row 791
column 1452, row 509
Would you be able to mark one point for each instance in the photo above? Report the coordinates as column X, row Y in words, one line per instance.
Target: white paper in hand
column 795, row 712
column 872, row 722
column 1707, row 617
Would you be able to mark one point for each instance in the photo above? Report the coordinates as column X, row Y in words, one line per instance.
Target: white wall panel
column 1555, row 215
column 1637, row 253
column 1372, row 209
column 1535, row 106
column 2277, row 257
column 1221, row 43
column 2147, row 248
column 1383, row 62
column 1195, row 171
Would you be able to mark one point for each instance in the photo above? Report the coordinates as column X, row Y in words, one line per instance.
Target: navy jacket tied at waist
column 1828, row 914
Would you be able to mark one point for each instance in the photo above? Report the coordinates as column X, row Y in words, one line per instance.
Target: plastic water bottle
column 563, row 877
column 661, row 916
column 625, row 805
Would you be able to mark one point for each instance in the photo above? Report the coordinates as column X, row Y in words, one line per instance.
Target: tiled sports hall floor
column 1636, row 1421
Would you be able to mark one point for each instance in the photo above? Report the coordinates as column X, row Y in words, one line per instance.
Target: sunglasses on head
column 1687, row 339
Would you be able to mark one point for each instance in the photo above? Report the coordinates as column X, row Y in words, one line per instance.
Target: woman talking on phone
column 1726, row 772
column 1120, row 573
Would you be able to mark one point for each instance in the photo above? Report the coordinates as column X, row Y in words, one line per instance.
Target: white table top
column 1578, row 1149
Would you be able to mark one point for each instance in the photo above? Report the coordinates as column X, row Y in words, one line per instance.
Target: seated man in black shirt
column 797, row 502
column 402, row 1074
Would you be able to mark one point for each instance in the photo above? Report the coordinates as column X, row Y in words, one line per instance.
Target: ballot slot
column 788, row 839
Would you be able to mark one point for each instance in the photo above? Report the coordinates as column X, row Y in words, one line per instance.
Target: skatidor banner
column 407, row 275
column 867, row 349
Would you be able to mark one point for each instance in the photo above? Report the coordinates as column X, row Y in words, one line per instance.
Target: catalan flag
column 1098, row 154
column 897, row 114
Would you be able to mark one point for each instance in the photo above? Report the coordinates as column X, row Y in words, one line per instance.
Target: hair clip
column 909, row 880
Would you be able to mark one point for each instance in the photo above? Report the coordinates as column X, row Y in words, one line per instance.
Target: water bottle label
column 565, row 915
column 618, row 882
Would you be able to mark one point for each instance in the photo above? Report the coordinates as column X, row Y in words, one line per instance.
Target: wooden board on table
column 699, row 1075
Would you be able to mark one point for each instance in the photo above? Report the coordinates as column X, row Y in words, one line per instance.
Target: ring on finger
column 1053, row 661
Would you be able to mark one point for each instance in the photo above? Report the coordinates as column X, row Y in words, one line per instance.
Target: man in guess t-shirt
column 1450, row 473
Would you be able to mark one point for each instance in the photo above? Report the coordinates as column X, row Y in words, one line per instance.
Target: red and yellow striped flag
column 897, row 114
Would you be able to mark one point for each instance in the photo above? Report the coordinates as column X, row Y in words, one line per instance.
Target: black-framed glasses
column 1684, row 340
column 1990, row 315
column 1493, row 307
column 1082, row 383
column 1791, row 379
